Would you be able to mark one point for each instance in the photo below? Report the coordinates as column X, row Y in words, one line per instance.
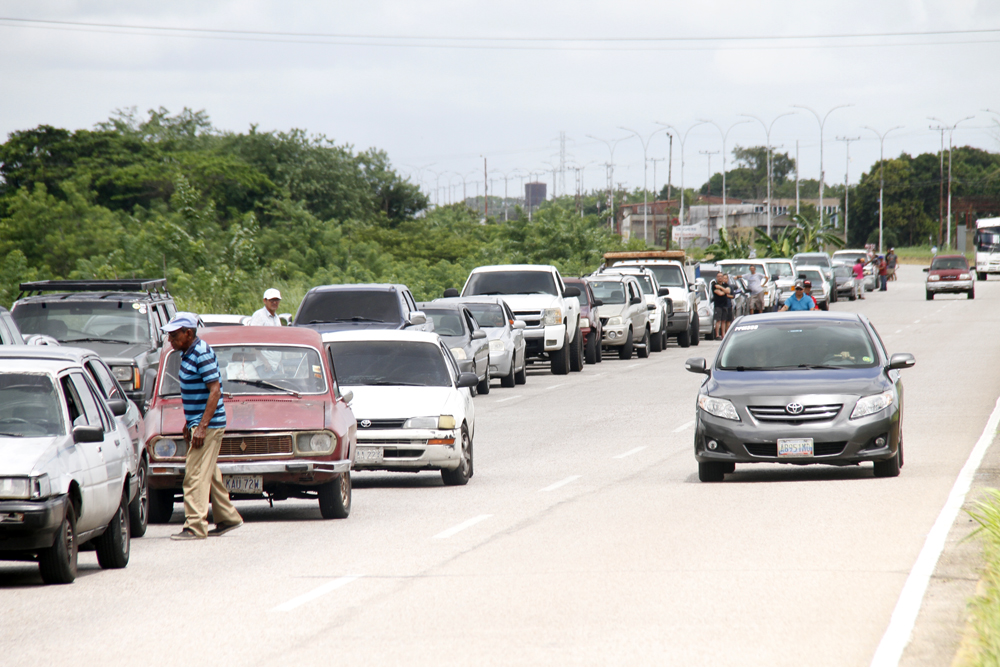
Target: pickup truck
column 550, row 309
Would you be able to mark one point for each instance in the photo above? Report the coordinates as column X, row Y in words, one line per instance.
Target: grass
column 986, row 607
column 922, row 254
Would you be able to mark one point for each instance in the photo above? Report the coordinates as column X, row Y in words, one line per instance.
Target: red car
column 949, row 273
column 289, row 432
column 590, row 322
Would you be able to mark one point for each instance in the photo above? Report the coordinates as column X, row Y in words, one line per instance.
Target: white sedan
column 413, row 405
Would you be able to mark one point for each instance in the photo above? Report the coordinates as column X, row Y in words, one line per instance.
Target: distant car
column 290, row 432
column 825, row 264
column 847, row 285
column 505, row 333
column 362, row 306
column 469, row 344
column 782, row 272
column 706, row 309
column 949, row 273
column 623, row 313
column 590, row 319
column 414, row 407
column 800, row 388
column 821, row 289
column 64, row 465
column 655, row 295
column 683, row 322
column 223, row 320
column 741, row 267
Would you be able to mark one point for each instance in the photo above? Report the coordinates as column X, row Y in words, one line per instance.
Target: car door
column 464, row 392
column 516, row 336
column 480, row 347
column 636, row 311
column 118, row 459
column 94, row 507
column 110, row 389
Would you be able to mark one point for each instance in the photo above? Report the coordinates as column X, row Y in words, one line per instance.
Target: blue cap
column 181, row 321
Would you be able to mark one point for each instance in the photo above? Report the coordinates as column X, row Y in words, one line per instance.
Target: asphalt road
column 584, row 537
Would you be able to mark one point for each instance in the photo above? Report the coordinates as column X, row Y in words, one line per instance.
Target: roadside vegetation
column 986, row 607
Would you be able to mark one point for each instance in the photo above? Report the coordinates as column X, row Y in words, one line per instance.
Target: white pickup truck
column 549, row 308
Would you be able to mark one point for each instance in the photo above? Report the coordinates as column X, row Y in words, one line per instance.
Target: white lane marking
column 633, row 366
column 564, row 482
column 315, row 593
column 462, row 526
column 904, row 616
column 594, row 375
column 629, row 453
column 509, row 398
column 561, row 384
column 684, row 427
column 916, row 321
column 899, row 331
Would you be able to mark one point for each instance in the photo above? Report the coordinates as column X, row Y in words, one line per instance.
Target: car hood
column 749, row 387
column 612, row 309
column 678, row 294
column 398, row 402
column 110, row 351
column 23, row 456
column 526, row 302
column 259, row 413
column 947, row 272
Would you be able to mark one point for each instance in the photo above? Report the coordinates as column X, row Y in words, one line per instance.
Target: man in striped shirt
column 204, row 425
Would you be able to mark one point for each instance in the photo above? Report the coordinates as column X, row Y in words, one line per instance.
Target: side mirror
column 118, row 406
column 696, row 365
column 467, row 366
column 571, row 291
column 650, row 306
column 467, row 380
column 901, row 360
column 598, row 303
column 634, row 300
column 88, row 434
column 479, row 334
column 348, row 396
column 450, row 293
column 927, row 269
column 284, row 317
column 519, row 324
column 663, row 291
column 416, row 318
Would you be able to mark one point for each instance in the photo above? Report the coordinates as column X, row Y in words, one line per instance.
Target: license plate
column 368, row 455
column 795, row 447
column 243, row 483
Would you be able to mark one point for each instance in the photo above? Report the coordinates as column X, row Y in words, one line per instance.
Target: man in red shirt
column 859, row 277
column 883, row 273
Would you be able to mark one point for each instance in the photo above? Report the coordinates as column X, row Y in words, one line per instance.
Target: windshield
column 510, row 282
column 843, row 271
column 349, row 306
column 780, row 270
column 608, row 291
column 446, row 322
column 487, row 315
column 646, row 284
column 850, row 256
column 815, row 260
column 583, row 292
column 988, row 239
column 944, row 263
column 740, row 269
column 394, row 362
column 69, row 322
column 796, row 345
column 258, row 369
column 812, row 275
column 667, row 275
column 29, row 406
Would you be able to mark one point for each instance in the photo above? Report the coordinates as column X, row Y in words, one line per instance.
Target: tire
column 824, row 306
column 138, row 509
column 982, row 275
column 625, row 351
column 684, row 338
column 663, row 338
column 643, row 351
column 115, row 543
column 971, row 294
column 460, row 475
column 335, row 497
column 695, row 328
column 591, row 349
column 711, row 472
column 57, row 564
column 560, row 360
column 930, row 296
column 484, row 386
column 656, row 340
column 161, row 505
column 853, row 296
column 598, row 350
column 576, row 360
column 521, row 376
column 510, row 380
column 728, row 467
column 889, row 467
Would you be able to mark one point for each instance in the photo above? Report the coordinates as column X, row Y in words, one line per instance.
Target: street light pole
column 822, row 122
column 645, row 164
column 951, row 130
column 847, row 180
column 767, row 135
column 611, row 144
column 682, row 138
column 881, row 177
column 725, row 134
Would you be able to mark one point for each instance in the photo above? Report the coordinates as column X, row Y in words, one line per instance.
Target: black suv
column 369, row 306
column 118, row 319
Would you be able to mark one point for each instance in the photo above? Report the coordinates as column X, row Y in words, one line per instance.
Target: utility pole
column 822, row 122
column 796, row 177
column 562, row 164
column 847, row 179
column 682, row 138
column 708, row 183
column 611, row 144
column 645, row 191
column 951, row 132
column 881, row 177
column 767, row 134
column 654, row 160
column 670, row 169
column 486, row 190
column 725, row 134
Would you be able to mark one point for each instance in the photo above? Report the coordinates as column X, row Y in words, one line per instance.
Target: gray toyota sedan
column 800, row 388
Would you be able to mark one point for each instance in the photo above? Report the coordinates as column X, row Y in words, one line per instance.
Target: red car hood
column 258, row 413
column 948, row 272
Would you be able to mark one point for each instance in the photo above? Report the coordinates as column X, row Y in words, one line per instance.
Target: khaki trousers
column 202, row 480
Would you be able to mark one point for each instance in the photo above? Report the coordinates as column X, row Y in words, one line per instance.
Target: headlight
column 165, row 448
column 24, row 488
column 122, row 373
column 458, row 353
column 681, row 305
column 584, row 323
column 933, row 277
column 964, row 276
column 869, row 405
column 551, row 317
column 849, row 283
column 496, row 345
column 614, row 321
column 315, row 443
column 718, row 407
column 446, row 422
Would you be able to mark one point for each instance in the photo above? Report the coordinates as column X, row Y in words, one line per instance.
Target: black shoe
column 223, row 528
column 186, row 534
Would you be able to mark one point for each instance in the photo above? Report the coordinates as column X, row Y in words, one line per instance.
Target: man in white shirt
column 267, row 316
column 755, row 282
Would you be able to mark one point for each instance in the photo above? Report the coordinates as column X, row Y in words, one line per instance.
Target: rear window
column 390, row 363
column 349, row 306
column 446, row 322
column 488, row 314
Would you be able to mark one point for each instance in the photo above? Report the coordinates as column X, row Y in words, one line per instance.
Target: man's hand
column 198, row 436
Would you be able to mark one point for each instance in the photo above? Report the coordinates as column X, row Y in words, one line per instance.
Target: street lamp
column 822, row 122
column 611, row 144
column 724, row 134
column 951, row 130
column 682, row 138
column 767, row 135
column 506, row 175
column 881, row 176
column 645, row 163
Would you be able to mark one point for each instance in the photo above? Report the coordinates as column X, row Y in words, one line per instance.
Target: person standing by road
column 891, row 260
column 722, row 300
column 859, row 277
column 755, row 283
column 800, row 300
column 267, row 316
column 883, row 273
column 204, row 425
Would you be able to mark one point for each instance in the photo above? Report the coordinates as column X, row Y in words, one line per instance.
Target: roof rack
column 120, row 285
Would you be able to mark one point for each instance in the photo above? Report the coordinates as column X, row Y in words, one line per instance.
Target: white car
column 741, row 267
column 655, row 295
column 624, row 313
column 782, row 272
column 413, row 405
column 706, row 309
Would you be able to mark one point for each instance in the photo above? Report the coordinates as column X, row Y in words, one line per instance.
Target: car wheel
column 889, row 467
column 684, row 338
column 728, row 467
column 138, row 509
column 598, row 350
column 656, row 341
column 576, row 360
column 824, row 306
column 460, row 475
column 509, row 380
column 335, row 497
column 591, row 349
column 521, row 376
column 625, row 351
column 982, row 275
column 695, row 328
column 643, row 350
column 161, row 505
column 971, row 294
column 484, row 386
column 560, row 360
column 57, row 564
column 711, row 471
column 114, row 544
column 930, row 296
column 853, row 296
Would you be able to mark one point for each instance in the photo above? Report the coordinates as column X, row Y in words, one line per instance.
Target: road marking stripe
column 509, row 398
column 916, row 321
column 684, row 427
column 629, row 452
column 315, row 593
column 553, row 487
column 561, row 384
column 632, row 366
column 899, row 331
column 462, row 526
column 904, row 616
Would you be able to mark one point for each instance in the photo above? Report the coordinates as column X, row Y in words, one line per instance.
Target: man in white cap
column 268, row 315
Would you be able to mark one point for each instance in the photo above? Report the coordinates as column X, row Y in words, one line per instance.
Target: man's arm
column 214, row 394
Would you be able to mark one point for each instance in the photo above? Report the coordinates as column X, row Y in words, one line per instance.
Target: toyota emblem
column 794, row 408
column 365, row 423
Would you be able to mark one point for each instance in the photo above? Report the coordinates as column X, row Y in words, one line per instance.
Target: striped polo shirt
column 199, row 366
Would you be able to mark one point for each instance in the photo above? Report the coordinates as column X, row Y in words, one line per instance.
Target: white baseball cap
column 272, row 294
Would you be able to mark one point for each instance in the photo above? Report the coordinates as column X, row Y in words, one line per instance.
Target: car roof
column 401, row 335
column 464, row 299
column 443, row 305
column 801, row 316
column 616, row 277
column 950, row 257
column 638, row 262
column 63, row 353
column 514, row 267
column 358, row 287
column 255, row 335
column 109, row 297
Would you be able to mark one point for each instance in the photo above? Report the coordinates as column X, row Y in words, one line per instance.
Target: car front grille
column 255, row 445
column 770, row 449
column 778, row 413
column 604, row 321
column 531, row 318
column 392, row 443
column 380, row 424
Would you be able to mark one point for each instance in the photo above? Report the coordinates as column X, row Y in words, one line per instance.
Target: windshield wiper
column 264, row 383
column 819, row 367
column 354, row 319
column 535, row 292
column 385, row 383
column 13, row 435
column 95, row 340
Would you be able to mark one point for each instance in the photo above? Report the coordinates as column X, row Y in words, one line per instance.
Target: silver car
column 464, row 337
column 706, row 310
column 505, row 333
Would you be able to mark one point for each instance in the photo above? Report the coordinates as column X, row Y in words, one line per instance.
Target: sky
column 440, row 85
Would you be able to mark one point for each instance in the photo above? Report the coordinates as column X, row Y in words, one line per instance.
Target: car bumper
column 30, row 525
column 410, row 450
column 678, row 322
column 614, row 335
column 950, row 286
column 500, row 362
column 170, row 475
column 545, row 339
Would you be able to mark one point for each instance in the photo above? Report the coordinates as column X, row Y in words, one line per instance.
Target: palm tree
column 725, row 248
column 815, row 234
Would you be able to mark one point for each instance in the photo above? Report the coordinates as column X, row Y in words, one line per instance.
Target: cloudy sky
column 438, row 84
